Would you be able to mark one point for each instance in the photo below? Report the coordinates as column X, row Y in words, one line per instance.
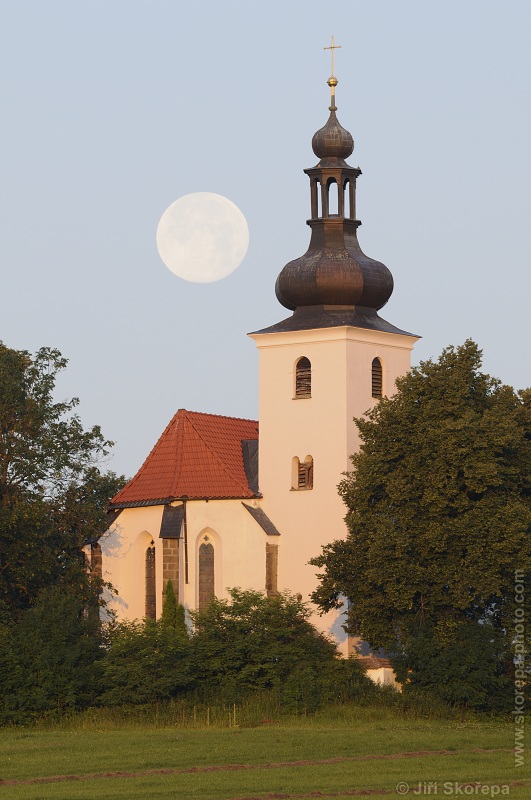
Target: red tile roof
column 197, row 456
column 373, row 662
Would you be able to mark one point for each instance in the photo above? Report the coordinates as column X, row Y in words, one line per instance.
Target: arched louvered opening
column 377, row 378
column 302, row 474
column 151, row 590
column 303, row 378
column 206, row 572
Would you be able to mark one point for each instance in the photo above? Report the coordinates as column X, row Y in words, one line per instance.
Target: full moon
column 202, row 237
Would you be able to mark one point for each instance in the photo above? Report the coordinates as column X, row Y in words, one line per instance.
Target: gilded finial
column 332, row 80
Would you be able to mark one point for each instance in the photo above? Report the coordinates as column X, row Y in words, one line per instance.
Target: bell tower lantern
column 330, row 361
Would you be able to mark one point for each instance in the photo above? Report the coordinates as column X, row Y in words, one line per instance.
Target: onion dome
column 334, row 282
column 332, row 141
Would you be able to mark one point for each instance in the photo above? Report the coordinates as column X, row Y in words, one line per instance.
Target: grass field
column 343, row 753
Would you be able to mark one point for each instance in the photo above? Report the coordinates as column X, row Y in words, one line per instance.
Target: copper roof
column 198, row 456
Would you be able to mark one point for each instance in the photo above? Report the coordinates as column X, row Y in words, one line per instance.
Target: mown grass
column 87, row 745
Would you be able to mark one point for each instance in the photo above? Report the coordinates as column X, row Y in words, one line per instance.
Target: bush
column 49, row 660
column 145, row 662
column 255, row 643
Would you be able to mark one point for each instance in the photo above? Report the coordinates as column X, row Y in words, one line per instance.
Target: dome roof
column 332, row 141
column 335, row 277
column 334, row 282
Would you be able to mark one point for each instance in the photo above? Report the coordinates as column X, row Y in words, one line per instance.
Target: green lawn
column 263, row 751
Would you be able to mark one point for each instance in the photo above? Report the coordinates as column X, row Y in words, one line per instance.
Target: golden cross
column 332, row 48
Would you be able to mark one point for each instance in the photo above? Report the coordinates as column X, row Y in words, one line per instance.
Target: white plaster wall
column 239, row 547
column 363, row 346
column 321, row 426
column 123, row 550
column 385, row 677
column 239, row 552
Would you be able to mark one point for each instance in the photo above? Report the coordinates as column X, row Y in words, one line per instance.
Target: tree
column 43, row 447
column 438, row 521
column 48, row 658
column 53, row 496
column 173, row 613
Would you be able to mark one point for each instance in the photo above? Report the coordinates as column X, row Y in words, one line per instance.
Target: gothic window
column 377, row 378
column 151, row 592
column 206, row 572
column 302, row 474
column 303, row 378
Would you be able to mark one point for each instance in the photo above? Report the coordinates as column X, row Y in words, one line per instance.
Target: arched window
column 377, row 378
column 151, row 591
column 333, row 197
column 302, row 474
column 206, row 572
column 303, row 378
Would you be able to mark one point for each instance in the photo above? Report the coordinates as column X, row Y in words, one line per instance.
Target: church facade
column 223, row 502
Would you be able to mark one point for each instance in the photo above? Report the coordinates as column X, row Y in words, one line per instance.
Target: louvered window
column 303, row 378
column 151, row 592
column 377, row 379
column 305, row 477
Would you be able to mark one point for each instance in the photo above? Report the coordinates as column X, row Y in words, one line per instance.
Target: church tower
column 329, row 362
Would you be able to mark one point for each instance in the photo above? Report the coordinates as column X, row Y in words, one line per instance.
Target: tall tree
column 439, row 518
column 49, row 658
column 53, row 496
column 43, row 447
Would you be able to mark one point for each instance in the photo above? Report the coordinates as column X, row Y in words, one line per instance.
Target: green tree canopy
column 49, row 658
column 253, row 642
column 43, row 447
column 438, row 514
column 53, row 497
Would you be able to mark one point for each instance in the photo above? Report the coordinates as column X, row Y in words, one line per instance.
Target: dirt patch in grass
column 239, row 767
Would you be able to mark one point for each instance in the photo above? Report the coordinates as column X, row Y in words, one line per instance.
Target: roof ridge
column 215, row 455
column 217, row 416
column 178, row 447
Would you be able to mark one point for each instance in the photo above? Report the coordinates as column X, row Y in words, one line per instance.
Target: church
column 223, row 502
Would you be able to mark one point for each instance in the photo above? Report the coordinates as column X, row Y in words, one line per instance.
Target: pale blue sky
column 113, row 109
